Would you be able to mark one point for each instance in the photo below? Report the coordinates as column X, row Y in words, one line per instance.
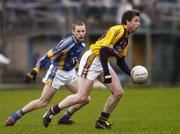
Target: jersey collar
column 126, row 30
column 74, row 38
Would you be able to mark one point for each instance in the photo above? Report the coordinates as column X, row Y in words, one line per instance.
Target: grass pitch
column 141, row 111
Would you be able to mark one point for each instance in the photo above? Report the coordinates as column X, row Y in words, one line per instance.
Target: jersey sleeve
column 62, row 47
column 41, row 63
column 50, row 55
column 124, row 67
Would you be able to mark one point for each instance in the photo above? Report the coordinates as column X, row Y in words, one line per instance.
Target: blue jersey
column 65, row 55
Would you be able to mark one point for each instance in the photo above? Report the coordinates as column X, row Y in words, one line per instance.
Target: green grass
column 141, row 111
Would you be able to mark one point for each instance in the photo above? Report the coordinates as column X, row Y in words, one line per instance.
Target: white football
column 139, row 74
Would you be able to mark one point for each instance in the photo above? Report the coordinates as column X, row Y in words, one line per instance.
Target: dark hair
column 128, row 15
column 78, row 23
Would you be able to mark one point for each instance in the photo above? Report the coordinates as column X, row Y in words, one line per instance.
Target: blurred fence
column 29, row 30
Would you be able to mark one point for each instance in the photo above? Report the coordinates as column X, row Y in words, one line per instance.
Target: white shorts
column 90, row 66
column 57, row 78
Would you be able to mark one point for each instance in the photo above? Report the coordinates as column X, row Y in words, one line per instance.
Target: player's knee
column 119, row 93
column 83, row 99
column 43, row 102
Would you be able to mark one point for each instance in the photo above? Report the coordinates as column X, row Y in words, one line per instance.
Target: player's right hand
column 107, row 78
column 31, row 76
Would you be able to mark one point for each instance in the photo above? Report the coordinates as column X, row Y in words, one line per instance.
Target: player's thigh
column 115, row 85
column 85, row 86
column 73, row 86
column 48, row 92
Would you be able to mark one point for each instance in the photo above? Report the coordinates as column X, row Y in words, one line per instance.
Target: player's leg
column 89, row 69
column 65, row 119
column 47, row 94
column 116, row 93
column 81, row 96
column 112, row 101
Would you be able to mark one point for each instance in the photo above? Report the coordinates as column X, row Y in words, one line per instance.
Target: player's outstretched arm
column 31, row 76
column 124, row 67
column 104, row 52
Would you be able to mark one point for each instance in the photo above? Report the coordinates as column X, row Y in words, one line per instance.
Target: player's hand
column 107, row 78
column 31, row 76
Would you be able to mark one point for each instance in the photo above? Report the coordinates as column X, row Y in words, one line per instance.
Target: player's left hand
column 31, row 76
column 107, row 78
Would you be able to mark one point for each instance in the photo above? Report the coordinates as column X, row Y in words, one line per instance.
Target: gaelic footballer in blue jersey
column 64, row 58
column 65, row 55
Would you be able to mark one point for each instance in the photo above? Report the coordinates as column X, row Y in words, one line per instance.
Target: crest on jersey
column 118, row 47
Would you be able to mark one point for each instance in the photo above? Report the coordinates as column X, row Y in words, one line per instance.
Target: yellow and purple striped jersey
column 115, row 38
column 65, row 55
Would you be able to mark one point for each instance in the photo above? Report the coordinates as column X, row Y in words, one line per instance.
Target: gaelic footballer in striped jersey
column 63, row 58
column 94, row 65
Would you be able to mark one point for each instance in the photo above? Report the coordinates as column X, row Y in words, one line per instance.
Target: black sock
column 67, row 115
column 104, row 116
column 55, row 109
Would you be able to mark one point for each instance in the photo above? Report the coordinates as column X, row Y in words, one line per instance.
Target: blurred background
column 28, row 28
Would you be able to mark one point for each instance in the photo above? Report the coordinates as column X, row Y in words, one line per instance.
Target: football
column 139, row 74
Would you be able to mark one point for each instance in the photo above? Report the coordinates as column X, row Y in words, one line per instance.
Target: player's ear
column 127, row 22
column 73, row 31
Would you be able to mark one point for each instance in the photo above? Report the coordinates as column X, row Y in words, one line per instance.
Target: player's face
column 79, row 32
column 134, row 24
